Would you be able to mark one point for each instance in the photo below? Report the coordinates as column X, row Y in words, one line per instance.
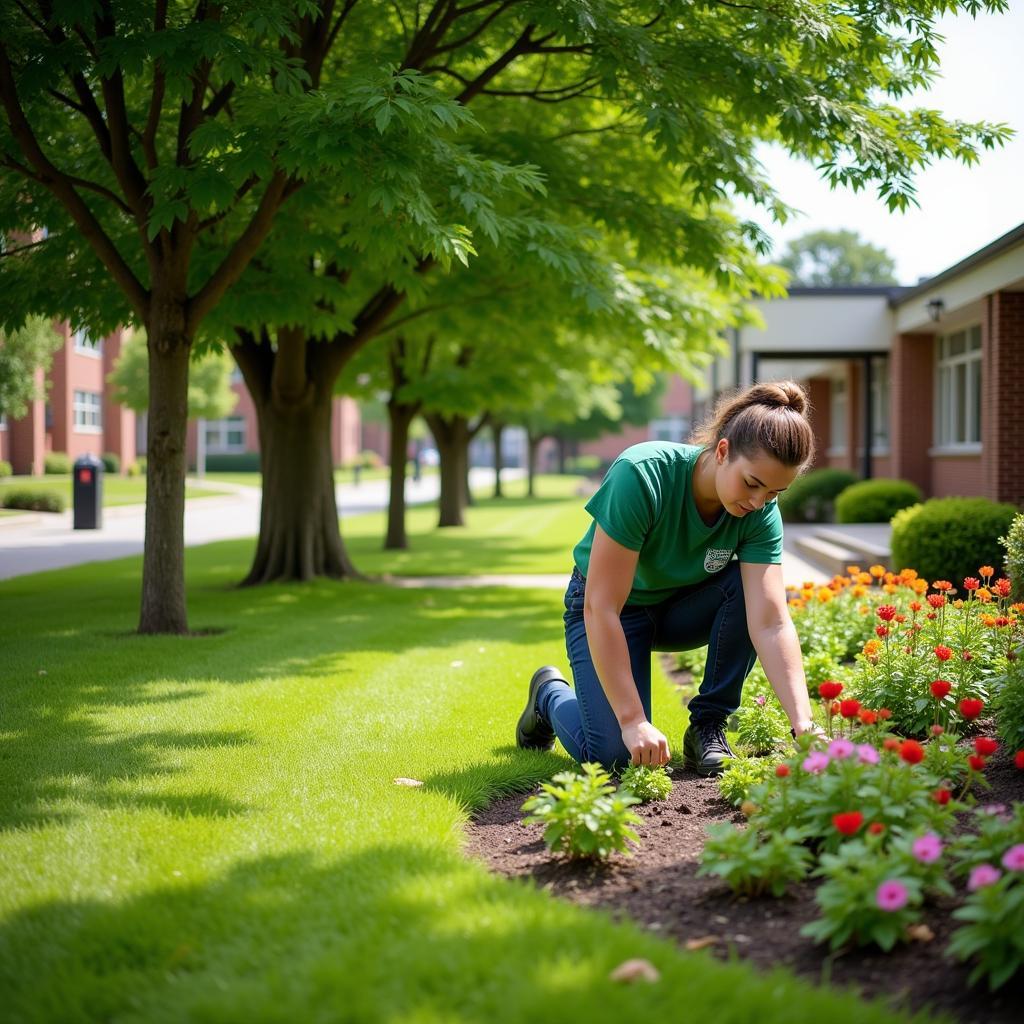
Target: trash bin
column 87, row 493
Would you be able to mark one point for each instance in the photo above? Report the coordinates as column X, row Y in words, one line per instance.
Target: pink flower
column 1013, row 859
column 982, row 875
column 816, row 761
column 867, row 753
column 760, row 700
column 891, row 895
column 840, row 749
column 927, row 848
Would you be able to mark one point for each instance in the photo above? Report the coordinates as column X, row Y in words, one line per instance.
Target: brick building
column 923, row 383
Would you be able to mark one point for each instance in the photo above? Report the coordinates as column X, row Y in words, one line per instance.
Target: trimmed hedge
column 242, row 462
column 111, row 462
column 950, row 538
column 875, row 501
column 810, row 498
column 5, row 468
column 57, row 463
column 1014, row 544
column 33, row 501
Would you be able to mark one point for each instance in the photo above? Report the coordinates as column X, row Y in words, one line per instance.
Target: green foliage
column 33, row 500
column 992, row 832
column 5, row 468
column 819, row 666
column 741, row 775
column 1014, row 544
column 585, row 465
column 810, row 498
column 55, row 463
column 583, row 815
column 22, row 353
column 1008, row 702
column 111, row 462
column 836, row 258
column 875, row 501
column 647, row 783
column 762, row 725
column 993, row 930
column 949, row 538
column 752, row 863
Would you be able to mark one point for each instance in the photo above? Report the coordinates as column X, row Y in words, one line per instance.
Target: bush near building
column 811, row 498
column 875, row 501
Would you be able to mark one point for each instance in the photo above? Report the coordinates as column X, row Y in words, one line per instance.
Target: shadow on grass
column 392, row 932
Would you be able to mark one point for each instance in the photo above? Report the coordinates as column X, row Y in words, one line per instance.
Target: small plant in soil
column 647, row 783
column 584, row 816
column 742, row 775
column 761, row 725
column 752, row 863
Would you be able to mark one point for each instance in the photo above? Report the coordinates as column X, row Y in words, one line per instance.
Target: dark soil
column 658, row 888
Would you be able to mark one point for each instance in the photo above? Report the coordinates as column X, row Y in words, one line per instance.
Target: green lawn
column 117, row 490
column 207, row 828
column 341, row 476
column 506, row 535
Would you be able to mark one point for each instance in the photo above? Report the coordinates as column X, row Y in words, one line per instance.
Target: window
column 236, row 375
column 958, row 405
column 837, row 418
column 88, row 408
column 879, row 404
column 3, row 421
column 225, row 435
column 670, row 428
column 86, row 344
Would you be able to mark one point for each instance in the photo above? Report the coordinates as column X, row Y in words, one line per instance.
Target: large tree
column 836, row 258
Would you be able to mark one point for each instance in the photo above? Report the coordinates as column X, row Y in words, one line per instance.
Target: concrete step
column 828, row 556
column 863, row 549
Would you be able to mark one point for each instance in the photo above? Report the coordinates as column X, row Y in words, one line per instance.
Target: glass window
column 880, row 403
column 227, row 435
column 670, row 428
column 958, row 389
column 86, row 344
column 837, row 418
column 3, row 421
column 88, row 410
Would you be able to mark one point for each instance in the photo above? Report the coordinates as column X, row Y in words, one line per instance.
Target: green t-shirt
column 645, row 503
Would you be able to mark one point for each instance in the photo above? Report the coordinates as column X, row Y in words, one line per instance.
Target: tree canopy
column 22, row 353
column 837, row 258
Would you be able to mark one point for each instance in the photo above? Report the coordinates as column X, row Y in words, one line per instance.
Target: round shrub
column 111, row 462
column 57, row 462
column 949, row 538
column 809, row 498
column 1014, row 544
column 33, row 501
column 5, row 468
column 875, row 501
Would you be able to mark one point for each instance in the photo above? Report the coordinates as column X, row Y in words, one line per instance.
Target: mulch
column 659, row 889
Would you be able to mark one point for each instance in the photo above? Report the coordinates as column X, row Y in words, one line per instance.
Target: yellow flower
column 859, row 591
column 825, row 595
column 864, row 577
column 878, row 571
column 796, row 602
column 920, row 586
column 872, row 647
column 890, row 588
column 853, row 570
column 807, row 593
column 908, row 574
column 983, row 595
column 958, row 603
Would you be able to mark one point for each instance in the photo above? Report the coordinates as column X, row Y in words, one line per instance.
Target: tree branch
column 336, row 27
column 469, row 36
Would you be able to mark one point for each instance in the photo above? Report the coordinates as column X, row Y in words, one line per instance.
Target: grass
column 514, row 534
column 117, row 490
column 341, row 476
column 207, row 827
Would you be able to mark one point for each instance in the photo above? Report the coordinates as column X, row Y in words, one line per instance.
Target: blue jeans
column 711, row 613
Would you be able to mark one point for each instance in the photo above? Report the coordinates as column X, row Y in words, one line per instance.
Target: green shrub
column 875, row 501
column 5, row 468
column 133, row 469
column 57, row 462
column 741, row 775
column 1008, row 702
column 111, row 462
column 751, row 864
column 810, row 498
column 141, row 463
column 950, row 538
column 647, row 783
column 1014, row 544
column 33, row 500
column 584, row 816
column 584, row 465
column 761, row 725
column 239, row 462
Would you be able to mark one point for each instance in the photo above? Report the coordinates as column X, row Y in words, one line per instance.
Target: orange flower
column 796, row 602
column 808, row 585
column 825, row 595
column 942, row 585
column 890, row 588
column 859, row 590
column 920, row 586
column 1002, row 587
column 878, row 571
column 853, row 570
column 807, row 593
column 908, row 574
column 984, row 596
column 871, row 648
column 916, row 606
column 985, row 571
column 864, row 577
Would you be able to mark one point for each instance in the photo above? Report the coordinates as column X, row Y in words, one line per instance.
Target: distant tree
column 837, row 257
column 22, row 353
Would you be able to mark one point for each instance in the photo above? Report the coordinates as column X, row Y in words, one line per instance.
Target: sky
column 962, row 208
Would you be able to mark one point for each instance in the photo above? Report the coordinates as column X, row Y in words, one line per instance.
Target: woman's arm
column 609, row 581
column 774, row 638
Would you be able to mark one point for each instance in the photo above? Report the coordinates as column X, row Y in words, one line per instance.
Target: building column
column 61, row 397
column 819, row 391
column 1002, row 389
column 118, row 420
column 911, row 407
column 854, row 418
column 27, row 436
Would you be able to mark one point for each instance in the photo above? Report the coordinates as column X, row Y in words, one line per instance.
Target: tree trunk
column 400, row 417
column 451, row 434
column 533, row 444
column 497, row 428
column 163, row 607
column 299, row 534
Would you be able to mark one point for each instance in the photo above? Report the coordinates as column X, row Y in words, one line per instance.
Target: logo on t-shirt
column 717, row 559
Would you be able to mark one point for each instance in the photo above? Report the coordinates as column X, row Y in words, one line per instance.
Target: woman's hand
column 646, row 745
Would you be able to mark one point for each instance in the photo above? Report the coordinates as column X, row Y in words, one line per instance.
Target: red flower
column 911, row 751
column 1002, row 620
column 881, row 631
column 1018, row 759
column 940, row 688
column 868, row 717
column 942, row 796
column 936, row 600
column 830, row 689
column 887, row 612
column 971, row 707
column 985, row 745
column 977, row 762
column 942, row 652
column 971, row 583
column 901, row 618
column 916, row 606
column 781, row 771
column 937, row 730
column 848, row 822
column 966, row 655
column 876, row 828
column 930, row 615
column 891, row 743
column 849, row 708
column 1002, row 587
column 884, row 713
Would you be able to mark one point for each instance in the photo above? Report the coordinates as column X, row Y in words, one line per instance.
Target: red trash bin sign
column 85, row 475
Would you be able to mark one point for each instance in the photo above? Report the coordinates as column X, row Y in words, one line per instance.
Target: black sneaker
column 532, row 732
column 705, row 748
